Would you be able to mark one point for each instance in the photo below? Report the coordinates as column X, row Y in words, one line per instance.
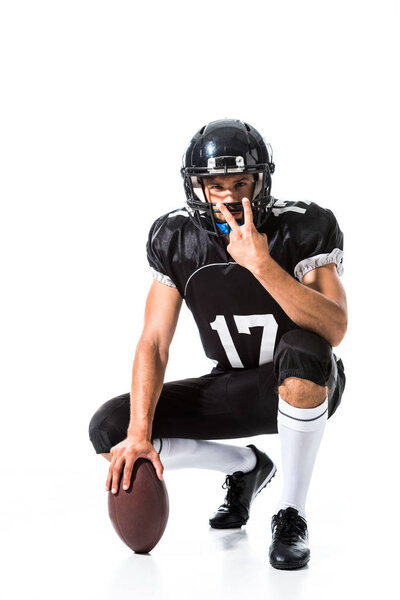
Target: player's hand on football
column 123, row 457
column 247, row 246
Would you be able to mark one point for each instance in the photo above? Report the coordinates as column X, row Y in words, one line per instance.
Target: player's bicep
column 162, row 310
column 326, row 281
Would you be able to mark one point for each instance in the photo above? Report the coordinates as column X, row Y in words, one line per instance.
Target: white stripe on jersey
column 223, row 264
column 162, row 278
column 320, row 260
column 181, row 212
column 285, row 202
column 282, row 206
column 296, row 209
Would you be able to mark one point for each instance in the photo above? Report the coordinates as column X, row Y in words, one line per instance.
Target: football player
column 261, row 277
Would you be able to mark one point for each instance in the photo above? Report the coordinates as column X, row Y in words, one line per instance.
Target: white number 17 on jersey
column 243, row 324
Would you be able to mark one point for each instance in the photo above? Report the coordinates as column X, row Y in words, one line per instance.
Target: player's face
column 229, row 188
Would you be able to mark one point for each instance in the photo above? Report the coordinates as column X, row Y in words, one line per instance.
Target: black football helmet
column 224, row 147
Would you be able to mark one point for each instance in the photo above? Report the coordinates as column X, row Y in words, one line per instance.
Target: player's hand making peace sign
column 247, row 246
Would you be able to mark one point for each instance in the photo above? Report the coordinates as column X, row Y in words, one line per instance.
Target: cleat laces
column 288, row 527
column 234, row 488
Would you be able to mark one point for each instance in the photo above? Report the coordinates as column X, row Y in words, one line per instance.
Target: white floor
column 59, row 543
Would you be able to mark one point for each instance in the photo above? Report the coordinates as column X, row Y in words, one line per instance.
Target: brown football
column 140, row 513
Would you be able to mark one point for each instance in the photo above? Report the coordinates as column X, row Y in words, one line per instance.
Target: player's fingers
column 109, row 478
column 248, row 213
column 110, row 472
column 228, row 216
column 128, row 472
column 155, row 459
column 116, row 473
column 130, row 461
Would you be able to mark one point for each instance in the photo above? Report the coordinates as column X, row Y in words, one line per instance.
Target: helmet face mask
column 226, row 147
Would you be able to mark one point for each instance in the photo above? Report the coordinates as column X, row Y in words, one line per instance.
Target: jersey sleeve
column 320, row 244
column 156, row 248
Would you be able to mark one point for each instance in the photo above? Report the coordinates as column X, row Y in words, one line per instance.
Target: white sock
column 300, row 431
column 179, row 453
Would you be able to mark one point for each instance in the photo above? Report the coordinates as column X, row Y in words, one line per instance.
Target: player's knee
column 304, row 341
column 302, row 393
column 99, row 434
column 94, row 425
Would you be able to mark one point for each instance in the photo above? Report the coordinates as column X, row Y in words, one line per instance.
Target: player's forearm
column 148, row 373
column 304, row 306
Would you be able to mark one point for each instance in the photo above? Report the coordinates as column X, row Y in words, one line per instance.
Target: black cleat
column 289, row 548
column 242, row 489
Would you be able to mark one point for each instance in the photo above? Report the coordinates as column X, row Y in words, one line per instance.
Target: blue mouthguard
column 224, row 227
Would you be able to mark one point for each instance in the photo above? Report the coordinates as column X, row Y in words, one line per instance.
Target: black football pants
column 228, row 404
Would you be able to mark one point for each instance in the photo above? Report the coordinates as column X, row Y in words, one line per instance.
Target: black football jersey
column 238, row 321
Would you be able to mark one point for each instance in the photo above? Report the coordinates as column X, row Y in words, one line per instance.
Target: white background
column 98, row 102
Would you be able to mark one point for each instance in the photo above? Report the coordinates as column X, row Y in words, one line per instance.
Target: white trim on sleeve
column 320, row 260
column 162, row 278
